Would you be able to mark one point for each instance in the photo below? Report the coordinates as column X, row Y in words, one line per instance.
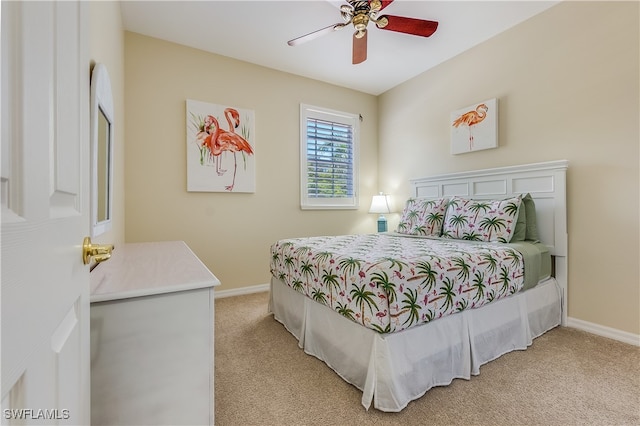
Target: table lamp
column 380, row 204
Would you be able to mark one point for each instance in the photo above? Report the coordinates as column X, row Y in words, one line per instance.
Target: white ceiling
column 258, row 31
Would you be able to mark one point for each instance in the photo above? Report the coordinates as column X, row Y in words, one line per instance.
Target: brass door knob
column 99, row 252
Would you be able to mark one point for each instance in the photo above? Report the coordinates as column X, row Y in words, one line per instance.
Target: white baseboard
column 218, row 294
column 601, row 330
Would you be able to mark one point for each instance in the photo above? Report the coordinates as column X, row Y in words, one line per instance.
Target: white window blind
column 328, row 158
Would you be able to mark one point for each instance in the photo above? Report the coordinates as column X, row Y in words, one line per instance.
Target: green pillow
column 520, row 233
column 530, row 211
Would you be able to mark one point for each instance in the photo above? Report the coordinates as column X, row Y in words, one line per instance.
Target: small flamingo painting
column 220, row 159
column 475, row 127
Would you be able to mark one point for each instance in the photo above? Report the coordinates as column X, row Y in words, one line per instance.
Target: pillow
column 481, row 220
column 423, row 216
column 520, row 232
column 532, row 224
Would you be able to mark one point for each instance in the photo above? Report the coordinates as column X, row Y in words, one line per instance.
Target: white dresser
column 152, row 312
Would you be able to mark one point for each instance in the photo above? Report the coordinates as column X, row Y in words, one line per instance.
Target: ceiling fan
column 359, row 13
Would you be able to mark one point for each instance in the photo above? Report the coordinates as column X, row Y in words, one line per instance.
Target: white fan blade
column 316, row 34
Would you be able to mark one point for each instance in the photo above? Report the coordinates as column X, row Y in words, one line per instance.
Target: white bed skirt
column 394, row 369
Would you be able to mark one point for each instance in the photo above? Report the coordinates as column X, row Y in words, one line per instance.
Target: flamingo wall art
column 475, row 127
column 220, row 148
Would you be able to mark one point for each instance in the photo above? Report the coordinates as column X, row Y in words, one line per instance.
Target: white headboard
column 546, row 182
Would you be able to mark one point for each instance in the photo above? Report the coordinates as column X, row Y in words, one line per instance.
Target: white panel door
column 45, row 213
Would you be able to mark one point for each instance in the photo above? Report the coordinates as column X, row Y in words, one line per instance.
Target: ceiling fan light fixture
column 381, row 22
column 347, row 12
column 360, row 21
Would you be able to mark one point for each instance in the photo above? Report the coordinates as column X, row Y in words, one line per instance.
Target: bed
column 398, row 313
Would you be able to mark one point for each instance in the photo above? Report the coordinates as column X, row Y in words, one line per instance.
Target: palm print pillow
column 423, row 216
column 481, row 220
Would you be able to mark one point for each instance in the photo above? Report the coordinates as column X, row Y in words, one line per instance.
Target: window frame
column 345, row 118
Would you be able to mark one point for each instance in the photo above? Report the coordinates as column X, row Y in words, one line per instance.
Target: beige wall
column 107, row 46
column 230, row 232
column 567, row 84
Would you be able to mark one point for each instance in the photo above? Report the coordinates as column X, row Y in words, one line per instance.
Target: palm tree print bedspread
column 390, row 282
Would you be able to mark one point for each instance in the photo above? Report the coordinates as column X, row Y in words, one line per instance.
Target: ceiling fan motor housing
column 360, row 6
column 363, row 12
column 360, row 20
column 360, row 23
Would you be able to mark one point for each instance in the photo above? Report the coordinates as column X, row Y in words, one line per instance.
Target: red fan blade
column 359, row 48
column 414, row 26
column 316, row 34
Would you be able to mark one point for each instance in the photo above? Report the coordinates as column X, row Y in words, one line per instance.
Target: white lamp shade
column 380, row 204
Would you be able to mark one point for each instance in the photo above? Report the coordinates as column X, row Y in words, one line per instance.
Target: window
column 328, row 158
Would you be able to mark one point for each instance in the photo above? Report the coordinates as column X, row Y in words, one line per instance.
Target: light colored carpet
column 567, row 377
